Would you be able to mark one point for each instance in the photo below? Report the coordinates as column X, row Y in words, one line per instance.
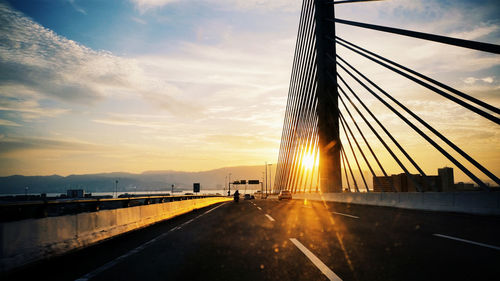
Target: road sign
column 196, row 187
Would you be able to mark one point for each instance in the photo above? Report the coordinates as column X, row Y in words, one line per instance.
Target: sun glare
column 308, row 161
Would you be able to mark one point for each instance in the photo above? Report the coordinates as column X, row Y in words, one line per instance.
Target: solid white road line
column 317, row 262
column 259, row 208
column 269, row 217
column 138, row 249
column 212, row 209
column 467, row 241
column 346, row 215
column 188, row 222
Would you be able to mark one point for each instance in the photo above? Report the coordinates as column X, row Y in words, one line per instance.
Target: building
column 446, row 175
column 461, row 186
column 383, row 184
column 75, row 193
column 402, row 183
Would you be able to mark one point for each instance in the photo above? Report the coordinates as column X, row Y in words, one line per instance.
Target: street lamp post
column 116, row 189
column 229, row 185
column 262, row 187
column 266, row 178
column 270, row 177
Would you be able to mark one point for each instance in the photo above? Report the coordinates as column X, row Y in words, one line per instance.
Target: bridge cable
column 403, row 167
column 345, row 172
column 428, row 86
column 366, row 141
column 304, row 46
column 342, row 119
column 289, row 119
column 479, row 46
column 415, row 128
column 383, row 127
column 428, row 126
column 350, row 169
column 354, row 154
column 442, row 85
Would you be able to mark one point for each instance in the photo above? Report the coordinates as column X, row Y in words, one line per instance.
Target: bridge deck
column 251, row 241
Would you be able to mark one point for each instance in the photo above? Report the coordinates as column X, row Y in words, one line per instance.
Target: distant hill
column 146, row 181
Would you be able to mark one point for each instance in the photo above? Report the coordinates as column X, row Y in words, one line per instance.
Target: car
column 247, row 197
column 285, row 194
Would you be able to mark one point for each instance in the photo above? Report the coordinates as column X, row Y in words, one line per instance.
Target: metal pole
column 229, row 185
column 116, row 189
column 262, row 187
column 266, row 178
column 270, row 177
column 172, row 189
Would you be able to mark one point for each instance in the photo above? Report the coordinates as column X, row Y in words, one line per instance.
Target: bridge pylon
column 327, row 95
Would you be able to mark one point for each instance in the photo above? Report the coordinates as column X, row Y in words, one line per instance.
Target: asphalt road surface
column 290, row 240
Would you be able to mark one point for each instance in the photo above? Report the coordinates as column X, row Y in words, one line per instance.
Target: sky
column 89, row 86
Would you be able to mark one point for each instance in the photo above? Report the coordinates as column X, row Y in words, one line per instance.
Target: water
column 176, row 192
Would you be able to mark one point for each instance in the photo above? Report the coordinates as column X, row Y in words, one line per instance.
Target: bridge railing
column 19, row 210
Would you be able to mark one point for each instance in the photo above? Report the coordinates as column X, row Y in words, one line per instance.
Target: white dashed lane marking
column 345, row 215
column 467, row 241
column 269, row 217
column 316, row 261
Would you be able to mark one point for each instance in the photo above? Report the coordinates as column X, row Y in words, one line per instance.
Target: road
column 290, row 240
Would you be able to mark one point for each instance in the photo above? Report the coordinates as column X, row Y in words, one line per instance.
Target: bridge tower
column 327, row 95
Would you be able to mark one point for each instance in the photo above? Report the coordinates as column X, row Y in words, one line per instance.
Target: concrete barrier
column 483, row 203
column 25, row 241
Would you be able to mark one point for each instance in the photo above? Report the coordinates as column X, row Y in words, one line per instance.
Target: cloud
column 77, row 7
column 138, row 20
column 462, row 19
column 472, row 80
column 262, row 5
column 25, row 102
column 145, row 5
column 138, row 120
column 4, row 122
column 14, row 144
column 259, row 5
column 36, row 60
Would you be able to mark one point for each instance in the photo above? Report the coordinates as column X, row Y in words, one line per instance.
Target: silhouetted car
column 285, row 194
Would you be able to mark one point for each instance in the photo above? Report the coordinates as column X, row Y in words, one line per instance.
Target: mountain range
column 146, row 181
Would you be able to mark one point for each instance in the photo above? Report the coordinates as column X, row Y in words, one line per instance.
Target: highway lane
column 291, row 240
column 379, row 243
